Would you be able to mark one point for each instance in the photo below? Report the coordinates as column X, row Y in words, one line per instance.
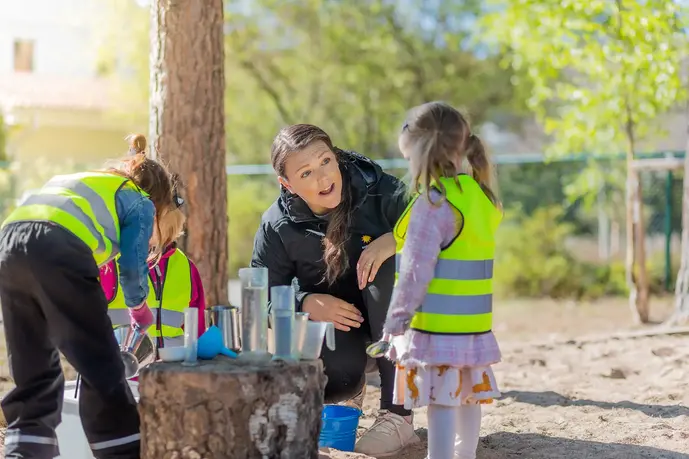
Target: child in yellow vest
column 51, row 248
column 440, row 315
column 174, row 282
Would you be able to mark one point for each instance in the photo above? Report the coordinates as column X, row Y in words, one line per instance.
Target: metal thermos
column 226, row 318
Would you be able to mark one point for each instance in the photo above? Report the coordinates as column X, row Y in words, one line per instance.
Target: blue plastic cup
column 338, row 427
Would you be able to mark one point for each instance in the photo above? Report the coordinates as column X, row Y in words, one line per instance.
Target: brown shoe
column 357, row 401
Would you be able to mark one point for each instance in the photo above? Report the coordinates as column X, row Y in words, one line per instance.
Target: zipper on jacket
column 158, row 283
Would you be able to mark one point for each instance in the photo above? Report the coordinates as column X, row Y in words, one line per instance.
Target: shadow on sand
column 550, row 398
column 508, row 445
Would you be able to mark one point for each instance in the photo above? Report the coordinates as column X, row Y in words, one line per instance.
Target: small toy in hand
column 379, row 348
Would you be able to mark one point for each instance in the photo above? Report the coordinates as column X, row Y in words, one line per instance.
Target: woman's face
column 314, row 175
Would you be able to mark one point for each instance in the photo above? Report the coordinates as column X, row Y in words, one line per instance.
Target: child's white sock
column 468, row 429
column 441, row 431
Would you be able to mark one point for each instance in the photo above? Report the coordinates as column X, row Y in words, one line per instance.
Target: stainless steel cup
column 136, row 349
column 226, row 318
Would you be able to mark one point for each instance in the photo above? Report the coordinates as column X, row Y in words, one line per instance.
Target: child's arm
column 430, row 228
column 136, row 227
column 198, row 297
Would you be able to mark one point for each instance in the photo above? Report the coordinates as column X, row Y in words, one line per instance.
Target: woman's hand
column 373, row 256
column 327, row 308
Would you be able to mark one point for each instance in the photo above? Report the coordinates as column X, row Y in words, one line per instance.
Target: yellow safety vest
column 460, row 296
column 83, row 204
column 168, row 297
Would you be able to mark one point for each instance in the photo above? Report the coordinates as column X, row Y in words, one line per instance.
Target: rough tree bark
column 224, row 409
column 681, row 313
column 187, row 125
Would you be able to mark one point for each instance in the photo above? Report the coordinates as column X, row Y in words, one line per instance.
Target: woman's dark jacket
column 289, row 241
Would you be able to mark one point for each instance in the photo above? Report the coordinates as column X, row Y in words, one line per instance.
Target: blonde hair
column 170, row 228
column 436, row 138
column 152, row 177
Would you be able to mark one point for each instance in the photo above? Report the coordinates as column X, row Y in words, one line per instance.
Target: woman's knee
column 345, row 369
column 342, row 386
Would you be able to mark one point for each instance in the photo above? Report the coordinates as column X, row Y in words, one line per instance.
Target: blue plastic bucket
column 338, row 427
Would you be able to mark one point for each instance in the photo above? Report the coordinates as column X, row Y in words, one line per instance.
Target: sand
column 610, row 398
column 569, row 398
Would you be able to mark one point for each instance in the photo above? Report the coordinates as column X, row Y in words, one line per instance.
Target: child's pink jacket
column 108, row 280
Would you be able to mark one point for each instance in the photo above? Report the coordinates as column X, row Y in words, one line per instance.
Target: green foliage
column 596, row 67
column 247, row 199
column 3, row 139
column 353, row 68
column 533, row 260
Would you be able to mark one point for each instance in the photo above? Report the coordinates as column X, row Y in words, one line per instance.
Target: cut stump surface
column 231, row 409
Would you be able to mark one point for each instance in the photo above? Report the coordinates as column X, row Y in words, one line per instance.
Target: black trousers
column 345, row 367
column 52, row 300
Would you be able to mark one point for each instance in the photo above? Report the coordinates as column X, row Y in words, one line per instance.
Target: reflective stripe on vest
column 459, row 299
column 84, row 204
column 175, row 298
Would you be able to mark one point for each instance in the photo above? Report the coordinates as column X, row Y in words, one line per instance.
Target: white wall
column 65, row 34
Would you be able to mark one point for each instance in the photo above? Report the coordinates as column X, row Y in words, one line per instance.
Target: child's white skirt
column 444, row 385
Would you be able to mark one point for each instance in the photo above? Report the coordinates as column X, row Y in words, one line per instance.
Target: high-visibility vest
column 459, row 299
column 83, row 204
column 168, row 296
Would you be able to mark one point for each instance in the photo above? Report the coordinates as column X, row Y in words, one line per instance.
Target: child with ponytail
column 440, row 316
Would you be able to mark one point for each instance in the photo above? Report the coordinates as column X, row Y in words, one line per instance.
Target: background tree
column 681, row 313
column 600, row 72
column 187, row 125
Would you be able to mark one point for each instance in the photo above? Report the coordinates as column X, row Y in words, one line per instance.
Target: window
column 23, row 55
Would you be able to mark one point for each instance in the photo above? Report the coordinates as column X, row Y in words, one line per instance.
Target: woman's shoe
column 357, row 401
column 388, row 436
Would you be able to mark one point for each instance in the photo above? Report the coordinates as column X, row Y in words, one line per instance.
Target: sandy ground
column 614, row 398
column 565, row 397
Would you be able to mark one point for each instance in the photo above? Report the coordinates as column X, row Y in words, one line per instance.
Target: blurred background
column 558, row 90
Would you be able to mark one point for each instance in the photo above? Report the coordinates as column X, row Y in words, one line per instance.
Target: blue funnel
column 210, row 345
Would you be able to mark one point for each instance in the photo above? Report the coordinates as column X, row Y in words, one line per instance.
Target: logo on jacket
column 366, row 240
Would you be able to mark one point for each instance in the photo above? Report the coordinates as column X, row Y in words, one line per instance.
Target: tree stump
column 229, row 409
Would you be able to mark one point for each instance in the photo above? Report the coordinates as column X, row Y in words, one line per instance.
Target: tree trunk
column 187, row 125
column 228, row 409
column 643, row 287
column 637, row 278
column 681, row 313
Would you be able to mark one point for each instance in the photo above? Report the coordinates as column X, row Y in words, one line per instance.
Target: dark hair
column 435, row 135
column 295, row 138
column 149, row 175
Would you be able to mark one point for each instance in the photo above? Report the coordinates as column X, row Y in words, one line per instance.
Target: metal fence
column 589, row 191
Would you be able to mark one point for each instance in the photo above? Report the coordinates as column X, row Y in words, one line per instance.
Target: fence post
column 668, row 230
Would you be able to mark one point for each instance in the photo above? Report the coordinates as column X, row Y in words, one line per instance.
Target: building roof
column 27, row 90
